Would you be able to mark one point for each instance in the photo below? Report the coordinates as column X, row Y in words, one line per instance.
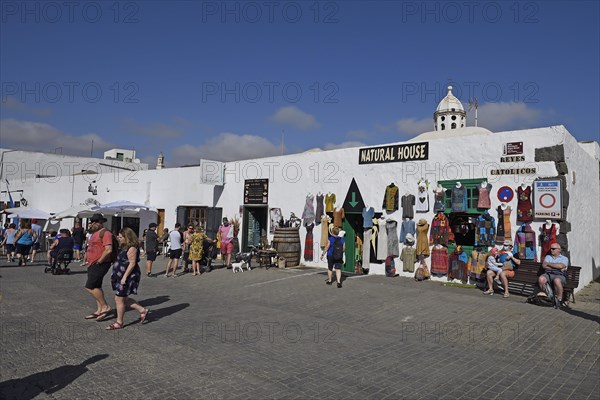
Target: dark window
column 453, row 126
column 443, row 126
column 454, row 118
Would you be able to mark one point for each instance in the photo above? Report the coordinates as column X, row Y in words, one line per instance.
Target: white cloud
column 12, row 103
column 224, row 147
column 36, row 136
column 295, row 117
column 507, row 116
column 343, row 145
column 413, row 126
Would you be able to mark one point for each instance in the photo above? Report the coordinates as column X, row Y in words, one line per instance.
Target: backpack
column 338, row 250
column 419, row 274
column 115, row 245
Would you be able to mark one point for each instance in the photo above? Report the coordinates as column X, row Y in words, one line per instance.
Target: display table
column 266, row 258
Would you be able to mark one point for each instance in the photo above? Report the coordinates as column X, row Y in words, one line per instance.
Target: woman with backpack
column 24, row 241
column 334, row 249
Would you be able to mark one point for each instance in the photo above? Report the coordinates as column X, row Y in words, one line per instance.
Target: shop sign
column 513, row 171
column 394, row 153
column 547, row 199
column 512, row 159
column 513, row 148
column 256, row 191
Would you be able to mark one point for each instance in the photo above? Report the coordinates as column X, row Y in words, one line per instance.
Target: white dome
column 450, row 102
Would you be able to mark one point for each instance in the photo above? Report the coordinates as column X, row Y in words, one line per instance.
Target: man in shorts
column 78, row 239
column 226, row 231
column 151, row 248
column 99, row 261
column 176, row 238
column 555, row 269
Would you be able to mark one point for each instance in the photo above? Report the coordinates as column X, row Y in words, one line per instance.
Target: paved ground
column 285, row 334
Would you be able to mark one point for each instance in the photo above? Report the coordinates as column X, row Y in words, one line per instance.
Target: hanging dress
column 408, row 201
column 308, row 243
column 547, row 237
column 422, row 200
column 459, row 199
column 393, row 248
column 422, row 239
column 439, row 261
column 439, row 200
column 501, row 227
column 524, row 206
column 329, row 202
column 381, row 240
column 324, row 231
column 484, row 197
column 308, row 215
column 320, row 208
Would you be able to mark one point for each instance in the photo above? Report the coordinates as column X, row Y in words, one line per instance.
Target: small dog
column 244, row 260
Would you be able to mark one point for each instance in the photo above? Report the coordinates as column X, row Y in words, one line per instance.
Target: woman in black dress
column 125, row 277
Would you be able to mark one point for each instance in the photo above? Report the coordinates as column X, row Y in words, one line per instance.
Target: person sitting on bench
column 555, row 270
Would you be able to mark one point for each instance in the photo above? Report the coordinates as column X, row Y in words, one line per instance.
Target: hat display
column 97, row 218
column 410, row 238
column 422, row 221
column 152, row 225
column 508, row 243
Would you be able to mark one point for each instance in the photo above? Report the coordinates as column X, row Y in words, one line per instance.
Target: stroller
column 209, row 253
column 60, row 262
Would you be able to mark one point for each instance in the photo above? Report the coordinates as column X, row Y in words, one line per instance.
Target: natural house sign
column 394, row 153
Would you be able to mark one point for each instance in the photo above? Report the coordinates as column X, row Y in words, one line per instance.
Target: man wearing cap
column 99, row 261
column 226, row 231
column 151, row 247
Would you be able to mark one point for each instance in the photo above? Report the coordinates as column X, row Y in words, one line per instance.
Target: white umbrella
column 71, row 212
column 29, row 213
column 122, row 208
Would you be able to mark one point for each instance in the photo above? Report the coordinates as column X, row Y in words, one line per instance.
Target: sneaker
column 328, row 282
column 166, row 275
column 339, row 285
column 149, row 274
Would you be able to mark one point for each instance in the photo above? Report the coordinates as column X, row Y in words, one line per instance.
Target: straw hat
column 422, row 221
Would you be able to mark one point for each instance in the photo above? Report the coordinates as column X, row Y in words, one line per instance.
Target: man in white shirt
column 176, row 238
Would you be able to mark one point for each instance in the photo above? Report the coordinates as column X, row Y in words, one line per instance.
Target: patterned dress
column 484, row 197
column 524, row 206
column 196, row 247
column 459, row 199
column 503, row 230
column 320, row 208
column 308, row 243
column 119, row 268
column 440, row 199
column 390, row 199
column 391, row 227
column 439, row 261
column 308, row 215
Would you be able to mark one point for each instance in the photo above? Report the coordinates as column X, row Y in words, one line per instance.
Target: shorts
column 226, row 248
column 36, row 246
column 23, row 249
column 151, row 255
column 331, row 264
column 77, row 246
column 173, row 254
column 551, row 277
column 509, row 273
column 96, row 274
column 10, row 248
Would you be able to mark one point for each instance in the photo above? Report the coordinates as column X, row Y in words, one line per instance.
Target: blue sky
column 222, row 80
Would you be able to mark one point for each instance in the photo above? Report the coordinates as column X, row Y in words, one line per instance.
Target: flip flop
column 102, row 316
column 114, row 326
column 144, row 315
column 92, row 316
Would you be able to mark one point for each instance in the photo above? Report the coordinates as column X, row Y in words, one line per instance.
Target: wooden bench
column 526, row 277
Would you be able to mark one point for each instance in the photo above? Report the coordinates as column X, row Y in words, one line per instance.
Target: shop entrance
column 353, row 226
column 254, row 223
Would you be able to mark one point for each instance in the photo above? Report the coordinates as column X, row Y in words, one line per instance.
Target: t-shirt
column 78, row 235
column 331, row 243
column 38, row 231
column 175, row 237
column 151, row 240
column 96, row 246
column 558, row 260
column 503, row 257
column 225, row 235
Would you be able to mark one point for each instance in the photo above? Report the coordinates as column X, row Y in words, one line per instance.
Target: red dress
column 547, row 237
column 524, row 206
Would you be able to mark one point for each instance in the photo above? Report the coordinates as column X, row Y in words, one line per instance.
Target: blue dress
column 119, row 268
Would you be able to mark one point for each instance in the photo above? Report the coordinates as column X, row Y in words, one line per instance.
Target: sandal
column 144, row 315
column 102, row 316
column 505, row 295
column 114, row 326
column 92, row 316
column 489, row 291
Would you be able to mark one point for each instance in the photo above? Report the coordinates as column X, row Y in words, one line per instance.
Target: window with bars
column 196, row 216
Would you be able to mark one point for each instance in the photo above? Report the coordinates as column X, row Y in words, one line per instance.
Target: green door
column 349, row 241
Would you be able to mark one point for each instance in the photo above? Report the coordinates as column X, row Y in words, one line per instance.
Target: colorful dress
column 459, row 199
column 439, row 261
column 503, row 229
column 525, row 243
column 440, row 200
column 196, row 246
column 308, row 215
column 547, row 237
column 484, row 197
column 458, row 266
column 524, row 206
column 308, row 243
column 329, row 202
column 485, row 232
column 440, row 230
column 390, row 199
column 133, row 280
column 478, row 260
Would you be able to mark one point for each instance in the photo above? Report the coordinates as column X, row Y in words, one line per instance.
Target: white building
column 471, row 155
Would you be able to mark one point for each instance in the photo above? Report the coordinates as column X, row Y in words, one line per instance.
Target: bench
column 526, row 277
